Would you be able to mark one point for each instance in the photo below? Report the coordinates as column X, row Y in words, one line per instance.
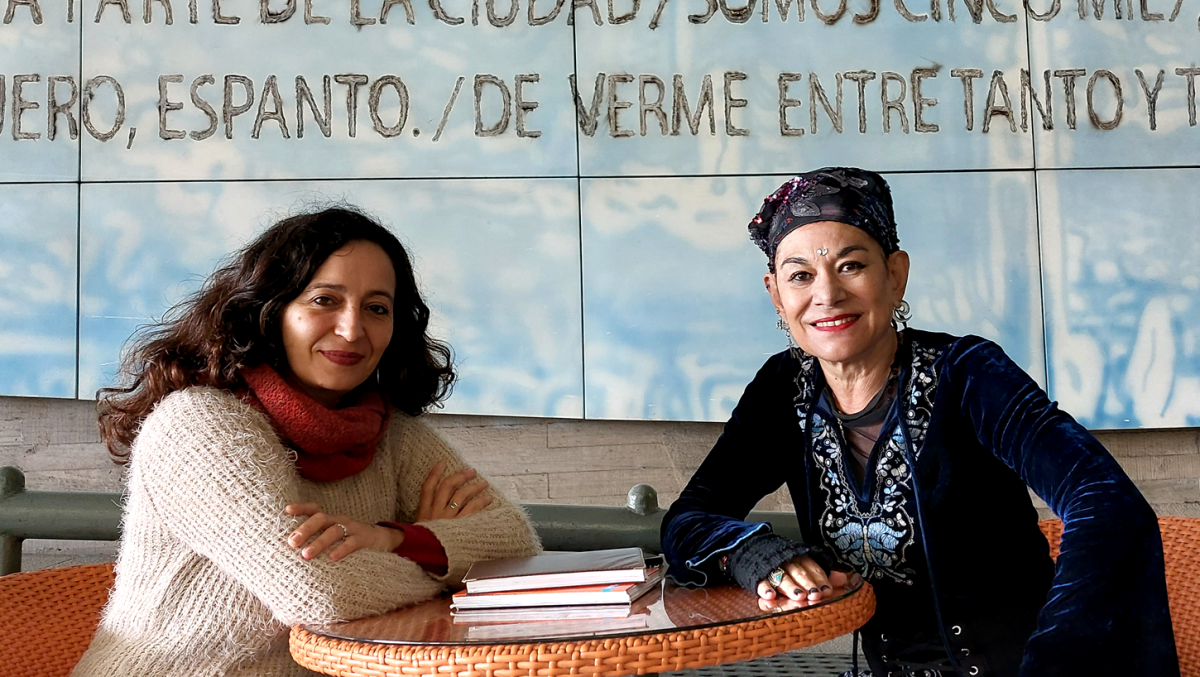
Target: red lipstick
column 835, row 323
column 342, row 357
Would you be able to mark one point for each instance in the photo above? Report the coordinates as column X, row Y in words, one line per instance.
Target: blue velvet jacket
column 942, row 524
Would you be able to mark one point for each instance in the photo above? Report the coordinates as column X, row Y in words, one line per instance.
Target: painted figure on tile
column 279, row 472
column 908, row 455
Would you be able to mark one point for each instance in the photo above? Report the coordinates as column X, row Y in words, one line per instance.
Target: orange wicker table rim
column 672, row 628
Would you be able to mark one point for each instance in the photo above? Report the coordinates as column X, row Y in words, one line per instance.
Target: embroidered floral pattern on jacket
column 871, row 538
column 805, row 383
column 919, row 397
column 874, row 540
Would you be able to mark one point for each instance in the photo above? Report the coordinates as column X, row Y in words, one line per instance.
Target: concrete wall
column 533, row 460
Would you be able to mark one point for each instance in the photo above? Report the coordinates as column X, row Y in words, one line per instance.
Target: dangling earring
column 783, row 327
column 901, row 314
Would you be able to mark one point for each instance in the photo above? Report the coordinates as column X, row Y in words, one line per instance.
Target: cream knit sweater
column 206, row 583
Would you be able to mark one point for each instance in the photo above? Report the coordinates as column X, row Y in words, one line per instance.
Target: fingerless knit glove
column 759, row 555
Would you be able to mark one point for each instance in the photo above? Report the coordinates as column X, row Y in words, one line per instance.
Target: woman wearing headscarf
column 279, row 470
column 908, row 455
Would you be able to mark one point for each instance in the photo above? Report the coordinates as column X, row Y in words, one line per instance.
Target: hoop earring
column 901, row 314
column 783, row 327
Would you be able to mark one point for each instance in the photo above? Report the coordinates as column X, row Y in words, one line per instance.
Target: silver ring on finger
column 453, row 505
column 776, row 577
column 345, row 531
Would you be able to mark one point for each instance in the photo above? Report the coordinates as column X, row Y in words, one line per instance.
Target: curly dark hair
column 233, row 322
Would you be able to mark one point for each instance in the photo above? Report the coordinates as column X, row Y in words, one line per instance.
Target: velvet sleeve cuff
column 722, row 537
column 760, row 554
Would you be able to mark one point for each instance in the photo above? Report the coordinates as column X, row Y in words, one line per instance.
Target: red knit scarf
column 330, row 444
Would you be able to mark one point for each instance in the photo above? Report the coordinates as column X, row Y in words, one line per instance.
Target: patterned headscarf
column 849, row 195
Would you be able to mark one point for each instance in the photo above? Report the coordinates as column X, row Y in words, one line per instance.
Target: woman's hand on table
column 803, row 580
column 337, row 534
column 456, row 495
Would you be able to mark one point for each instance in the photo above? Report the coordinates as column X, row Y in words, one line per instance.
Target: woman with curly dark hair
column 279, row 472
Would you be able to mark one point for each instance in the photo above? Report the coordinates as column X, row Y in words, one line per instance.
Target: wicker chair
column 48, row 617
column 1181, row 550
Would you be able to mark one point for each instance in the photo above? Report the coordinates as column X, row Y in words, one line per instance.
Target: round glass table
column 670, row 628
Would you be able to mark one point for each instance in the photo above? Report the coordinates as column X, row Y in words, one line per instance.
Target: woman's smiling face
column 336, row 330
column 836, row 289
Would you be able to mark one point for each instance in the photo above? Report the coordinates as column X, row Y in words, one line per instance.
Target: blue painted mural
column 500, row 271
column 37, row 289
column 1123, row 295
column 575, row 178
column 676, row 318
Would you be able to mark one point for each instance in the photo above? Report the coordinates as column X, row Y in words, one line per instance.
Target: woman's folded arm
column 499, row 530
column 219, row 480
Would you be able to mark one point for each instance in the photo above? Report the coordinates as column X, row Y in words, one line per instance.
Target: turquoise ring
column 776, row 577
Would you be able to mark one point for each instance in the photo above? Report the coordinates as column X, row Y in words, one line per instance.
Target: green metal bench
column 96, row 516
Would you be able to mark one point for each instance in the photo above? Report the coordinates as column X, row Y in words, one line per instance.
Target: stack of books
column 600, row 584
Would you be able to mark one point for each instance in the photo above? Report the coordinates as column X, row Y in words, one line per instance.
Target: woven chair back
column 1181, row 552
column 48, row 617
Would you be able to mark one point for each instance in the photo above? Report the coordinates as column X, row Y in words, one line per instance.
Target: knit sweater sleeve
column 218, row 479
column 500, row 530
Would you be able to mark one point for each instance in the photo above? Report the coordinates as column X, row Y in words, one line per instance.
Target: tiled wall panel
column 38, row 266
column 1133, row 52
column 498, row 260
column 33, row 58
column 1123, row 295
column 761, row 52
column 428, row 59
column 676, row 317
column 973, row 242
